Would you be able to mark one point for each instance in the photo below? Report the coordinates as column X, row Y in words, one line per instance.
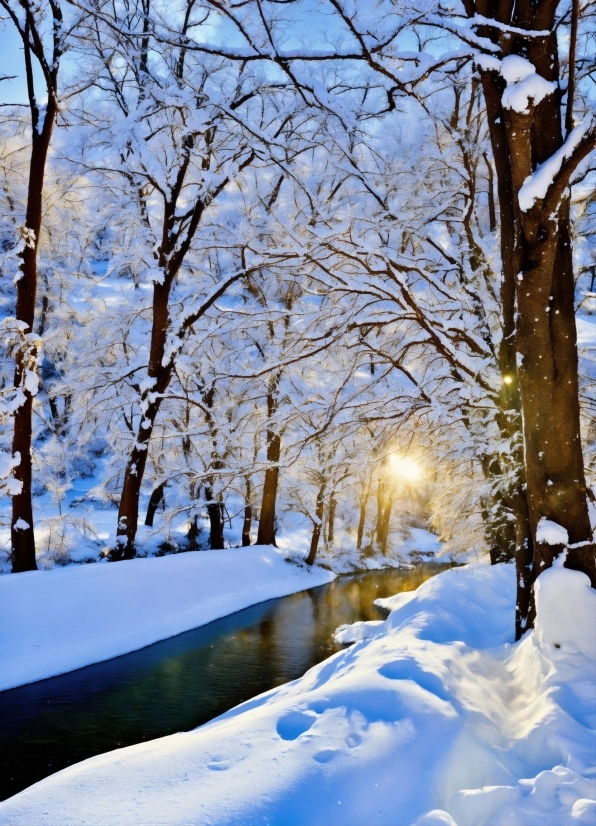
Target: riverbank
column 59, row 620
column 436, row 719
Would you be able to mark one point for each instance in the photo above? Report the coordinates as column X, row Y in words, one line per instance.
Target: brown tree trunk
column 547, row 341
column 247, row 524
column 216, row 521
column 156, row 498
column 317, row 526
column 192, row 535
column 362, row 517
column 128, row 511
column 538, row 282
column 266, row 531
column 384, row 505
column 331, row 519
column 546, row 337
column 22, row 531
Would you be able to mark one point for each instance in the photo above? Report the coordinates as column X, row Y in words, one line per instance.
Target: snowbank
column 59, row 620
column 438, row 719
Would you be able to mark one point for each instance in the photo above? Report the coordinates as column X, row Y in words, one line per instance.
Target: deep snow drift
column 436, row 720
column 56, row 621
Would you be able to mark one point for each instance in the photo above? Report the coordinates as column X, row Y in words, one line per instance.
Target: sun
column 405, row 468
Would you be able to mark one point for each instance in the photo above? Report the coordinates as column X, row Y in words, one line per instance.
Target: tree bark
column 128, row 511
column 22, row 530
column 331, row 519
column 317, row 526
column 266, row 532
column 539, row 285
column 156, row 498
column 247, row 524
column 384, row 506
column 362, row 517
column 216, row 521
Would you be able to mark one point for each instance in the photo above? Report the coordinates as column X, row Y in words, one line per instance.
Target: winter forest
column 298, row 303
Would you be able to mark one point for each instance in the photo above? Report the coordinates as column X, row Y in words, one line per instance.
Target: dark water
column 182, row 682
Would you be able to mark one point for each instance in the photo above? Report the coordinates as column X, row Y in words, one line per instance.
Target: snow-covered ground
column 436, row 719
column 56, row 621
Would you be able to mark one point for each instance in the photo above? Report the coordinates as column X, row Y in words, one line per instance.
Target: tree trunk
column 546, row 337
column 266, row 532
column 384, row 505
column 362, row 518
column 156, row 498
column 216, row 521
column 22, row 532
column 128, row 512
column 509, row 418
column 318, row 524
column 247, row 524
column 331, row 519
column 547, row 342
column 192, row 535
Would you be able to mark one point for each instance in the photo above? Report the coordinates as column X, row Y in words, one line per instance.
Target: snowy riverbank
column 55, row 621
column 436, row 720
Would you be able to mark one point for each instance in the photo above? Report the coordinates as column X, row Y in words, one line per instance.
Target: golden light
column 406, row 468
column 507, row 380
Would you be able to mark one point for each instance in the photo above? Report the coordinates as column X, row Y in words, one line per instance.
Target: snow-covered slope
column 56, row 621
column 437, row 719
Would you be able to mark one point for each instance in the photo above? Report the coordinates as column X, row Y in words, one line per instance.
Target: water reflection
column 180, row 683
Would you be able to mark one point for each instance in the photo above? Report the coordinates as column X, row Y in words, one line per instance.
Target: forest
column 314, row 277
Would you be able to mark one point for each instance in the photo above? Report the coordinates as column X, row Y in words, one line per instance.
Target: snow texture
column 523, row 84
column 55, row 621
column 437, row 721
column 536, row 185
column 7, row 462
column 551, row 533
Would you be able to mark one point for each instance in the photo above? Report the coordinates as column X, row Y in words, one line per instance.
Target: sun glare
column 409, row 470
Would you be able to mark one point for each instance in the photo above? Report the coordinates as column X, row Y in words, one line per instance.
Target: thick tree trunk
column 546, row 339
column 509, row 418
column 547, row 343
column 247, row 524
column 22, row 531
column 317, row 526
column 538, row 284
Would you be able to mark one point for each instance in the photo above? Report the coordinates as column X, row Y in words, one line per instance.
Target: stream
column 182, row 682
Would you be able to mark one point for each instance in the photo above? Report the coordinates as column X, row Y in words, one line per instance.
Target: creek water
column 182, row 682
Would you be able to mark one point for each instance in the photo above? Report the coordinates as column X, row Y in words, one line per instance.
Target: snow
column 562, row 611
column 55, row 621
column 7, row 462
column 515, row 68
column 31, row 382
column 437, row 719
column 551, row 533
column 536, row 185
column 523, row 84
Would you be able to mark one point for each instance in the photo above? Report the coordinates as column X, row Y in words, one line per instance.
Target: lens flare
column 409, row 470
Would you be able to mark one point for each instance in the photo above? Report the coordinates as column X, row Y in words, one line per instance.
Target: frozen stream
column 184, row 681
